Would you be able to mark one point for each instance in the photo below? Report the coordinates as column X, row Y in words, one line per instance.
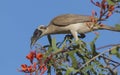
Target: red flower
column 43, row 68
column 28, row 69
column 31, row 56
column 94, row 13
column 111, row 8
column 24, row 67
column 39, row 56
column 34, row 65
column 109, row 14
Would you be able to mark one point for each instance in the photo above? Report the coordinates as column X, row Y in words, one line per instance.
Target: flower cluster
column 33, row 55
column 106, row 9
column 35, row 66
column 28, row 69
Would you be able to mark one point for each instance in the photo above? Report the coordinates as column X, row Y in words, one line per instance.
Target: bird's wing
column 70, row 19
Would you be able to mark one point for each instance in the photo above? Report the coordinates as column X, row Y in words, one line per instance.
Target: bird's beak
column 35, row 37
column 33, row 41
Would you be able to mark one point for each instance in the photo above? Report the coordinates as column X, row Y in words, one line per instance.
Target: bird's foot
column 82, row 36
column 68, row 36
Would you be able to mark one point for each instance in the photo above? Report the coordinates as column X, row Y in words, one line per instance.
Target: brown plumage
column 67, row 19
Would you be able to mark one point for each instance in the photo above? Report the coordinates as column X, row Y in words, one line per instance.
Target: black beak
column 36, row 35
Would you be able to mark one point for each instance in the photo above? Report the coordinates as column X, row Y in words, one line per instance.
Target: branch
column 99, row 55
column 110, row 60
column 106, row 46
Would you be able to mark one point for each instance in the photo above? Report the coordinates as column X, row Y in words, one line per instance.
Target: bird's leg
column 49, row 39
column 74, row 33
column 68, row 36
column 82, row 35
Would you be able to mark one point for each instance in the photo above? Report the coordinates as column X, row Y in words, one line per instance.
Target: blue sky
column 19, row 18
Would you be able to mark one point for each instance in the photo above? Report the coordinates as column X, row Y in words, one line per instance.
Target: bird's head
column 38, row 33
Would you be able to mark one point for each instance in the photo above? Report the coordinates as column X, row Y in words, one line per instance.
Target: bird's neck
column 50, row 30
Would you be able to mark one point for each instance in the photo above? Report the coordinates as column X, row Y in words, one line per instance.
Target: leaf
column 116, row 52
column 73, row 58
column 117, row 26
column 59, row 73
column 63, row 69
column 49, row 51
column 118, row 55
column 70, row 70
column 87, row 68
column 81, row 56
column 67, row 58
column 54, row 44
column 49, row 70
column 110, row 2
column 93, row 47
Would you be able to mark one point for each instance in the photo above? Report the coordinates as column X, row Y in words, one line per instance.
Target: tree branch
column 106, row 46
column 99, row 55
column 110, row 60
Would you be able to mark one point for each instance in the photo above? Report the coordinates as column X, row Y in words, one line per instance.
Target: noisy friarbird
column 69, row 24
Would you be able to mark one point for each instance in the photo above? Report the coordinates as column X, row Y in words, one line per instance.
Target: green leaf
column 118, row 52
column 117, row 26
column 50, row 49
column 118, row 55
column 87, row 68
column 110, row 2
column 73, row 58
column 54, row 44
column 59, row 73
column 93, row 47
column 49, row 70
column 70, row 70
column 114, row 51
column 80, row 56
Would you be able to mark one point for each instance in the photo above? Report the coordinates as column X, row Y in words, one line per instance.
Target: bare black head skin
column 38, row 33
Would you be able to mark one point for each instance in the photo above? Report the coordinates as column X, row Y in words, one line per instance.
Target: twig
column 107, row 46
column 110, row 60
column 98, row 56
column 116, row 66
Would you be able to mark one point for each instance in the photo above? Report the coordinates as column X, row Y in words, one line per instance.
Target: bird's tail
column 106, row 27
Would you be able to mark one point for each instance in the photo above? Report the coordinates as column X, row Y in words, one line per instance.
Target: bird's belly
column 79, row 27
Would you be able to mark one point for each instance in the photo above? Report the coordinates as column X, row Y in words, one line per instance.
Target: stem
column 107, row 46
column 110, row 60
column 98, row 56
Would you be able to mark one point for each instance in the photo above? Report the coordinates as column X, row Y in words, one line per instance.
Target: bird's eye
column 36, row 32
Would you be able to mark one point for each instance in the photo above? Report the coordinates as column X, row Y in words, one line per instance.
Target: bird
column 69, row 24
